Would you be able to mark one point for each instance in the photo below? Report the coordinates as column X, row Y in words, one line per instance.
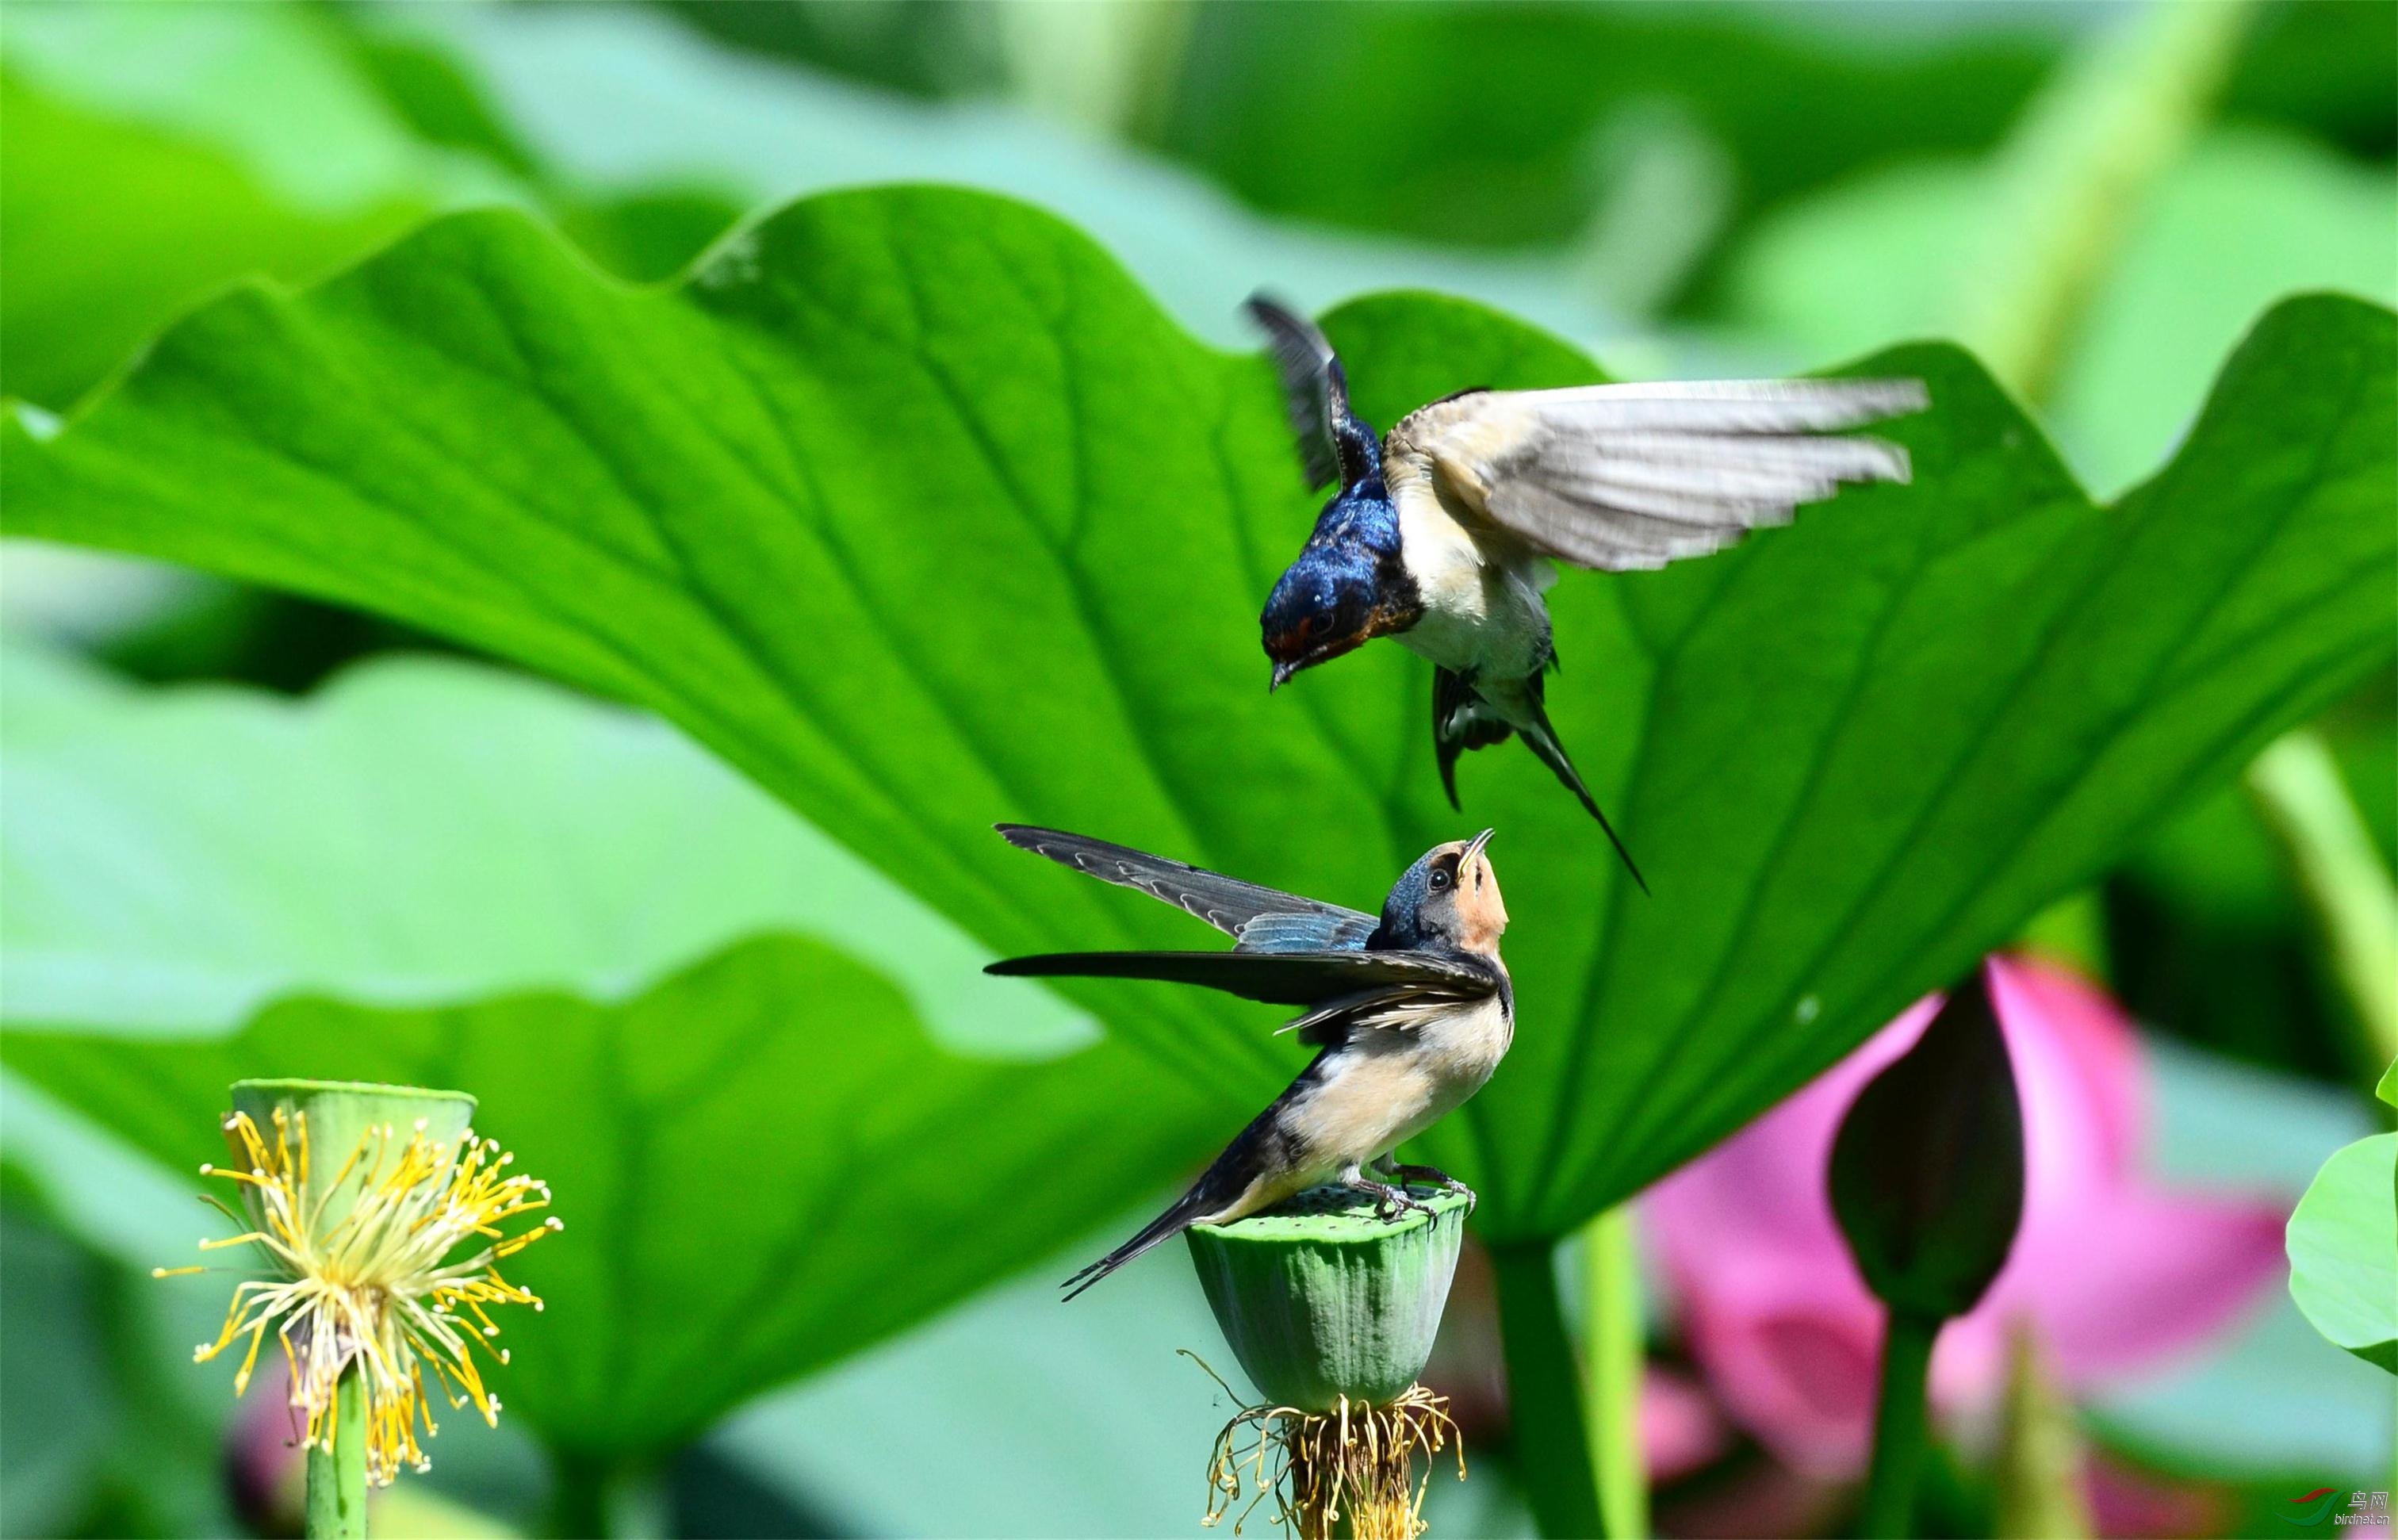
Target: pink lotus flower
column 2114, row 1273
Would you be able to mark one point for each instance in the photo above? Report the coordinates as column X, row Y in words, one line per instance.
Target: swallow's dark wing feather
column 1622, row 477
column 1260, row 919
column 1460, row 719
column 1281, row 978
column 1332, row 443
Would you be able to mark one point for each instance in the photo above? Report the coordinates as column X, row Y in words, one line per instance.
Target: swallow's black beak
column 1474, row 848
column 1282, row 672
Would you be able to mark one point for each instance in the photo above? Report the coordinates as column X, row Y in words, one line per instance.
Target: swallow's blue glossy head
column 1450, row 895
column 1347, row 587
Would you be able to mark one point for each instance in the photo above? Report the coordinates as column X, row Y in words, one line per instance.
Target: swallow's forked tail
column 1225, row 1188
column 1542, row 739
column 1463, row 719
column 1177, row 1217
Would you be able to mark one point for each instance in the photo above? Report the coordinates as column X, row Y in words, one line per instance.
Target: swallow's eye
column 1440, row 879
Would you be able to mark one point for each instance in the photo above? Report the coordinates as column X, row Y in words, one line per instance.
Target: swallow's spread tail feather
column 1542, row 739
column 1225, row 1179
column 1236, row 1184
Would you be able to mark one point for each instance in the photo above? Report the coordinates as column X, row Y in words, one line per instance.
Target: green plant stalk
column 337, row 1476
column 2350, row 899
column 1611, row 1329
column 1544, row 1392
column 2037, row 1472
column 578, row 1495
column 592, row 1497
column 2072, row 930
column 2071, row 177
column 1901, row 1427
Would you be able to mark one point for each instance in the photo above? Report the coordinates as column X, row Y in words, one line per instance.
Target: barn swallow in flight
column 1411, row 1013
column 1442, row 531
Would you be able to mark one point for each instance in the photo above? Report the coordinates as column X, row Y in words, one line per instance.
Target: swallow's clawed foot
column 1433, row 1176
column 1389, row 1202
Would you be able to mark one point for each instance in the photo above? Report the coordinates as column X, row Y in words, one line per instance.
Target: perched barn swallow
column 1411, row 1013
column 1441, row 532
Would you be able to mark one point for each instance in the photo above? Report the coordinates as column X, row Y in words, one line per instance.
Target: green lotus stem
column 2072, row 930
column 1612, row 1326
column 2038, row 1473
column 1901, row 1427
column 592, row 1496
column 337, row 1476
column 2071, row 176
column 578, row 1495
column 2350, row 899
column 1544, row 1393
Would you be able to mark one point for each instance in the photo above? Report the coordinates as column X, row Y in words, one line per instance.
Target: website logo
column 2309, row 1509
column 2361, row 1507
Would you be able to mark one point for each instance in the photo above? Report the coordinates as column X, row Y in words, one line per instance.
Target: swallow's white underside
column 1383, row 1088
column 1483, row 611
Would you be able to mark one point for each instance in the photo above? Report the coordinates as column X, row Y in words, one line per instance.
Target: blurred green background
column 1715, row 188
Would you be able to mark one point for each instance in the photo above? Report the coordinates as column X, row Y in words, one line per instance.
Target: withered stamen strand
column 1312, row 1464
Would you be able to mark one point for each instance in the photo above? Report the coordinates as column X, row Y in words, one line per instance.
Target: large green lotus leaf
column 87, row 282
column 1489, row 123
column 419, row 832
column 1500, row 125
column 2343, row 1245
column 764, row 1164
column 915, row 509
column 156, row 153
column 54, row 1392
column 769, row 1154
column 680, row 105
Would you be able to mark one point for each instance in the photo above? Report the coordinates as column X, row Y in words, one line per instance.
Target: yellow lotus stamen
column 373, row 1289
column 257, row 1338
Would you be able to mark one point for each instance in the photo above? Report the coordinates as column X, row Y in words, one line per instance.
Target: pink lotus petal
column 1795, row 1365
column 1680, row 1429
column 2150, row 1276
column 2097, row 1049
column 2114, row 1273
column 2128, row 1503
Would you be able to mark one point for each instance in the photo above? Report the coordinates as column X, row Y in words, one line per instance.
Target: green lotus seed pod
column 1321, row 1300
column 340, row 1116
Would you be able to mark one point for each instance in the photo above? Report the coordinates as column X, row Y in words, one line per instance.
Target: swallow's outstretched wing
column 1332, row 444
column 1276, row 978
column 1626, row 477
column 1260, row 919
column 1347, row 991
